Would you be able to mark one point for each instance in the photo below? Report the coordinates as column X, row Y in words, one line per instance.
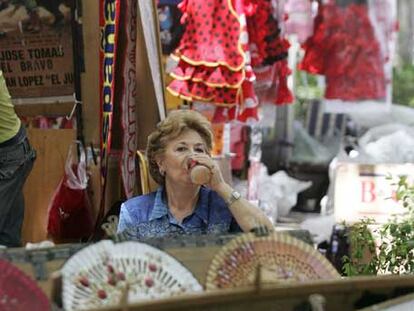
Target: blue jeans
column 16, row 162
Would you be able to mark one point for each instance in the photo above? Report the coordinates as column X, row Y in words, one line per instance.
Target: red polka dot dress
column 210, row 57
column 213, row 57
column 215, row 54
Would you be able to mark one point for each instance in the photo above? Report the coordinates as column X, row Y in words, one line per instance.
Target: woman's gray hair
column 170, row 128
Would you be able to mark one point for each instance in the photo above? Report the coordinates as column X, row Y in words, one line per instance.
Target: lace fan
column 281, row 258
column 18, row 292
column 105, row 273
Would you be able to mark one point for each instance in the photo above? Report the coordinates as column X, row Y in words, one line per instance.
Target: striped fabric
column 321, row 125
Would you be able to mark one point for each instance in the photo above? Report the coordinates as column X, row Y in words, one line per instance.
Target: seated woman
column 179, row 206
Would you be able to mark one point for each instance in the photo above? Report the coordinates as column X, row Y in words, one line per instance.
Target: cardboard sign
column 36, row 48
column 364, row 191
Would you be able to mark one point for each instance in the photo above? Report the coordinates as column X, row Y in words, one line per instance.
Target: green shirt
column 9, row 121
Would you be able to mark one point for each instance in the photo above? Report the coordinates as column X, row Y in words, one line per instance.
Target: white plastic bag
column 279, row 191
column 76, row 178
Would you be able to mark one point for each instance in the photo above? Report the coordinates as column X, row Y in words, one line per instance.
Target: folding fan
column 18, row 292
column 280, row 257
column 104, row 273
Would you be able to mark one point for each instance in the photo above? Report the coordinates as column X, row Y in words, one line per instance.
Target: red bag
column 70, row 214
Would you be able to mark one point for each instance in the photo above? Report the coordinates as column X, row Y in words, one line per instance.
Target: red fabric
column 70, row 214
column 222, row 40
column 222, row 114
column 314, row 59
column 249, row 108
column 266, row 43
column 211, row 35
column 272, row 85
column 344, row 48
column 283, row 95
column 18, row 292
column 277, row 50
column 199, row 91
column 268, row 46
column 257, row 12
column 211, row 58
column 238, row 145
column 219, row 76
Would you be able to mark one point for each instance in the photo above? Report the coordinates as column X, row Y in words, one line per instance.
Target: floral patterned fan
column 280, row 257
column 107, row 274
column 18, row 292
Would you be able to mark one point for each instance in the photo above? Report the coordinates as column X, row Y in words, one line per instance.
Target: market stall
column 302, row 187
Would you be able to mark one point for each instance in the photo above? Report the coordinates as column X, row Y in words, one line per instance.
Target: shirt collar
column 161, row 209
column 160, row 205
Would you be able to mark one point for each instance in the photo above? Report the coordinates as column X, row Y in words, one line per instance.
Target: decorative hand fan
column 18, row 292
column 280, row 257
column 107, row 273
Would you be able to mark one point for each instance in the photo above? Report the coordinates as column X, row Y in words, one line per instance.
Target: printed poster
column 36, row 47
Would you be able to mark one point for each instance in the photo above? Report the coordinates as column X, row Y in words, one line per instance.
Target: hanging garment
column 345, row 49
column 212, row 35
column 211, row 59
column 214, row 58
column 269, row 50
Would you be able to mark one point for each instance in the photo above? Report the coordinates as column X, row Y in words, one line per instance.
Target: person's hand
column 216, row 178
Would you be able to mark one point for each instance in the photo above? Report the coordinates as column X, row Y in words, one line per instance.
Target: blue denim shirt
column 148, row 216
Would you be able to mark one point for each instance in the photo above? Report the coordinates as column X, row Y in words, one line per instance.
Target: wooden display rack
column 196, row 254
column 340, row 295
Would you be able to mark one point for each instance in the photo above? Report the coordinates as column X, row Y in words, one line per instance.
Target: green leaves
column 393, row 249
column 363, row 259
column 403, row 80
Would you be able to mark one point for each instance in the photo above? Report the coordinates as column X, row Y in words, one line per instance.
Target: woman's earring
column 162, row 172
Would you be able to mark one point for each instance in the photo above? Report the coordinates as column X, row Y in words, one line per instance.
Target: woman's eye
column 200, row 150
column 181, row 149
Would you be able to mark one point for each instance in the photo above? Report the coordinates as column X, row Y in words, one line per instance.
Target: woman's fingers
column 204, row 160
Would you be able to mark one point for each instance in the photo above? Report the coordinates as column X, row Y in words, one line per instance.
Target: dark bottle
column 338, row 246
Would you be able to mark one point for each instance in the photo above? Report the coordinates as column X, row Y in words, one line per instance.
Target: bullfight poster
column 36, row 52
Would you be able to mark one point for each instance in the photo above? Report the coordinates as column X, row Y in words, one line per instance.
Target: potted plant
column 392, row 251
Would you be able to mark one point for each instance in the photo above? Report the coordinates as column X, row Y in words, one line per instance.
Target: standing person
column 16, row 161
column 180, row 206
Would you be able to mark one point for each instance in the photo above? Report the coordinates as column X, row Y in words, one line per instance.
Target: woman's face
column 174, row 161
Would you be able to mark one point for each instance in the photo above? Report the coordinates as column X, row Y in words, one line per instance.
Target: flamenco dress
column 345, row 49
